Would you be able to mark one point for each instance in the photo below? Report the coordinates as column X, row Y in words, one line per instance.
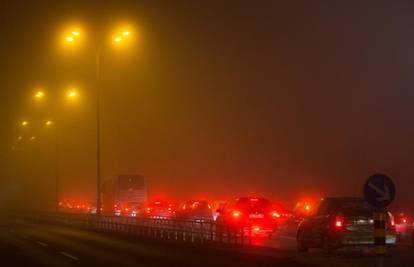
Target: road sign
column 379, row 191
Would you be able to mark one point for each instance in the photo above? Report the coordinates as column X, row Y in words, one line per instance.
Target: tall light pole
column 71, row 39
column 98, row 131
column 71, row 95
column 48, row 124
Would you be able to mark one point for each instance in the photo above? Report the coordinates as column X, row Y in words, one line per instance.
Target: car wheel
column 301, row 243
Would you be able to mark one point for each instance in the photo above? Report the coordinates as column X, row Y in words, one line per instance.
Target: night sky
column 215, row 98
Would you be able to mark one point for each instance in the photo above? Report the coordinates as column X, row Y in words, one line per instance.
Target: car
column 251, row 216
column 128, row 209
column 158, row 210
column 340, row 222
column 197, row 210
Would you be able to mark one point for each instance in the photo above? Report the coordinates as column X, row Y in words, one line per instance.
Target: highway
column 24, row 243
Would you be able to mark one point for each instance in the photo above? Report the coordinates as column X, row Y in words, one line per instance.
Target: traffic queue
column 329, row 224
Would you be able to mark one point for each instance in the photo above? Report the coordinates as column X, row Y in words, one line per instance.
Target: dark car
column 251, row 216
column 195, row 211
column 341, row 221
column 158, row 210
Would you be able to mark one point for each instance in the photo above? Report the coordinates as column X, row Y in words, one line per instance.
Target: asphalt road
column 24, row 243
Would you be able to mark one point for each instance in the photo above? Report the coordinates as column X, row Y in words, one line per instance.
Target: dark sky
column 220, row 98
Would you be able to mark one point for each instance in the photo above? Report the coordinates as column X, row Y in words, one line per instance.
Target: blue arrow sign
column 379, row 191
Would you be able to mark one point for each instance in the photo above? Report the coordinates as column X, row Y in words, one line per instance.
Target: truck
column 123, row 195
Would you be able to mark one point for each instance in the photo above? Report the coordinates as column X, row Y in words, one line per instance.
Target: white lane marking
column 287, row 237
column 69, row 256
column 42, row 243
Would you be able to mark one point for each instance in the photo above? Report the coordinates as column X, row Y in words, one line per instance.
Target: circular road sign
column 379, row 191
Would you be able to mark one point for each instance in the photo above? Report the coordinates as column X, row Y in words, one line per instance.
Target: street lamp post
column 71, row 94
column 98, row 132
column 71, row 39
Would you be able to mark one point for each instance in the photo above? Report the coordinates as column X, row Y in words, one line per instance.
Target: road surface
column 24, row 243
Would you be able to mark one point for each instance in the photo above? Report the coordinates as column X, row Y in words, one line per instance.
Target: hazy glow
column 32, row 138
column 20, row 138
column 72, row 94
column 48, row 122
column 39, row 94
column 25, row 123
column 122, row 35
column 71, row 36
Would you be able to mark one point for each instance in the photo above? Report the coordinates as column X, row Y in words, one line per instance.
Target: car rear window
column 355, row 207
column 253, row 205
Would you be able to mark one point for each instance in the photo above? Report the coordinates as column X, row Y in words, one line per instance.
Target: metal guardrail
column 193, row 231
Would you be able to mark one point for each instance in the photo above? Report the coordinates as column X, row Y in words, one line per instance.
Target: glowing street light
column 72, row 94
column 32, row 138
column 24, row 123
column 48, row 123
column 117, row 39
column 70, row 39
column 39, row 94
column 71, row 36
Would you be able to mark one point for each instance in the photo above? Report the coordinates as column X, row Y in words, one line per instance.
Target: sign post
column 379, row 192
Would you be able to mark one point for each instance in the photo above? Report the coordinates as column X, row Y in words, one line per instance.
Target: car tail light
column 339, row 222
column 256, row 229
column 275, row 214
column 404, row 220
column 254, row 199
column 148, row 209
column 126, row 209
column 236, row 214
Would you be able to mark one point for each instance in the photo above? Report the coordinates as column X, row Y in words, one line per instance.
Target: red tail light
column 236, row 214
column 275, row 214
column 126, row 209
column 339, row 222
